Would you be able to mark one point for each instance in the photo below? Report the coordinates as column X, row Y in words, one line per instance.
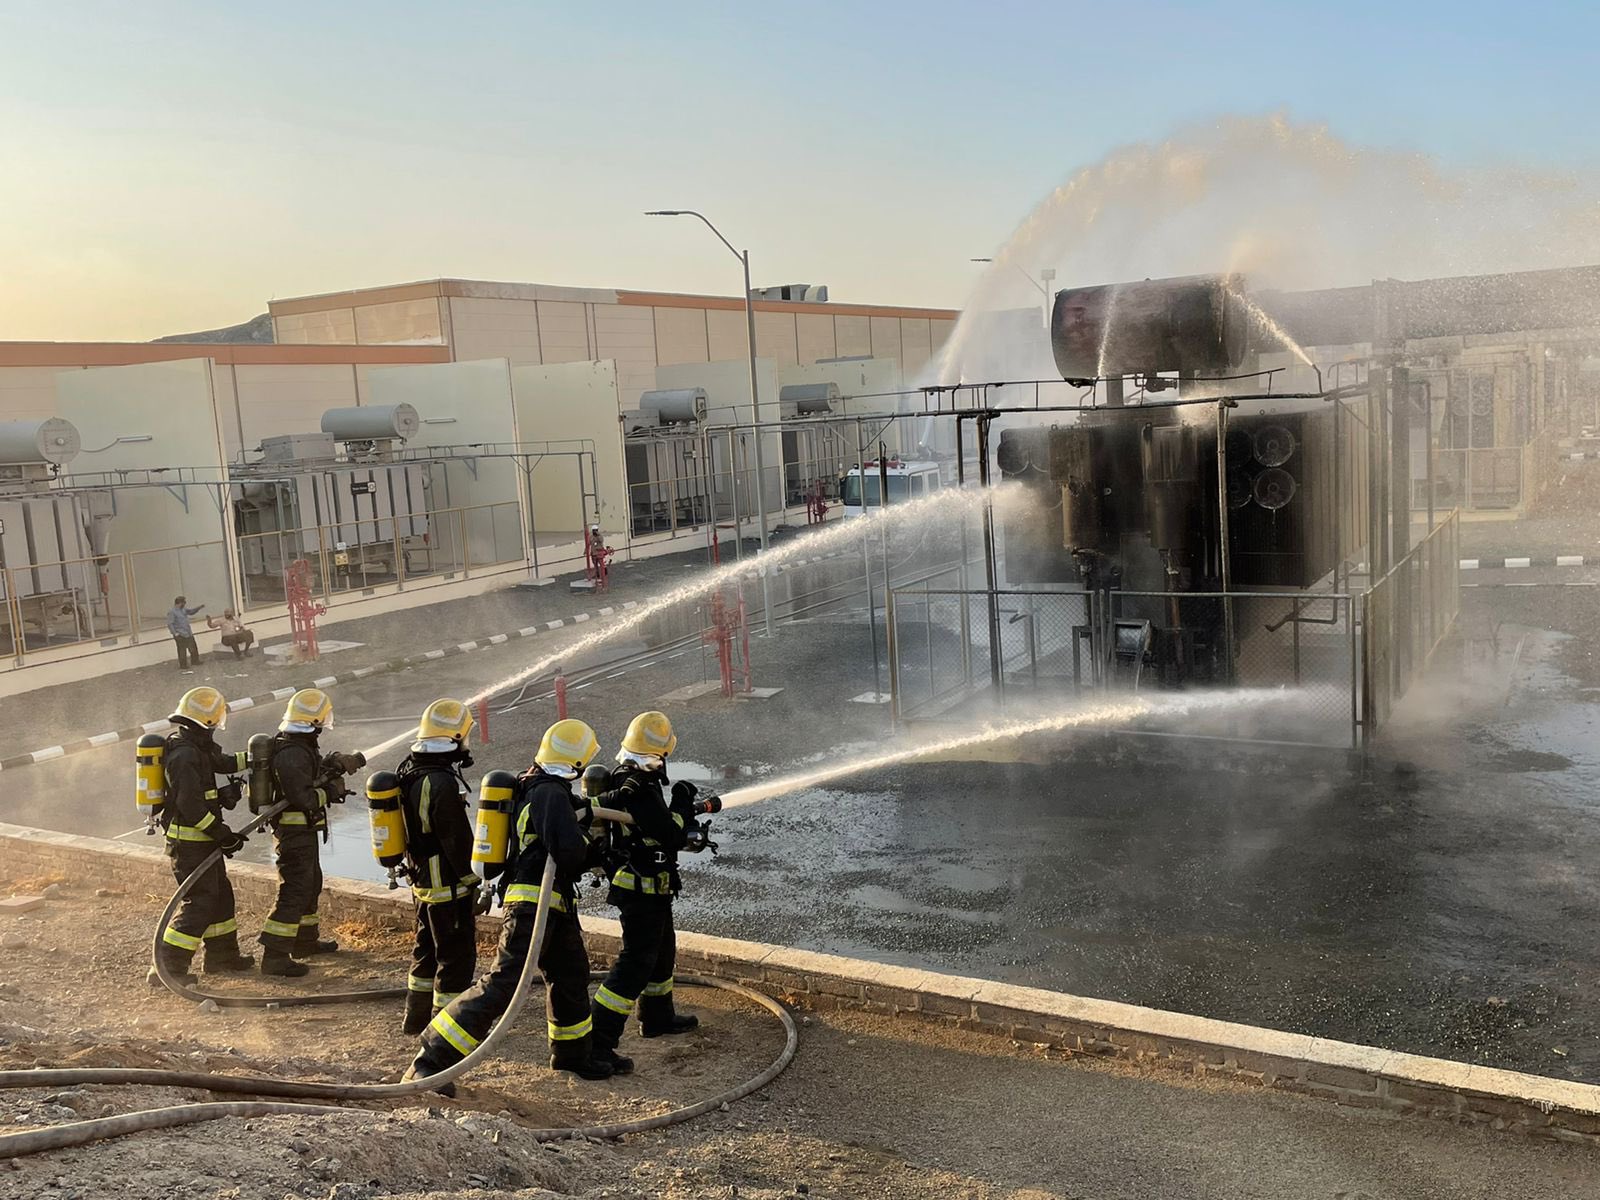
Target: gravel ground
column 870, row 1108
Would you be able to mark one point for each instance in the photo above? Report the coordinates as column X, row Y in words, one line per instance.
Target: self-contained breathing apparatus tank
column 258, row 754
column 150, row 778
column 497, row 793
column 388, row 822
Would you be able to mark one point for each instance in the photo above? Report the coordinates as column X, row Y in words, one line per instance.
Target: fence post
column 1355, row 702
column 894, row 654
column 134, row 621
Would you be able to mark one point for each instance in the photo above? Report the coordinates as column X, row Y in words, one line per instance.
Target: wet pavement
column 1443, row 902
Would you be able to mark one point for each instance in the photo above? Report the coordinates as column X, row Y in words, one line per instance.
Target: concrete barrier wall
column 1363, row 1076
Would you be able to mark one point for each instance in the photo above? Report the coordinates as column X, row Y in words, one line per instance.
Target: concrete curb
column 1519, row 564
column 1346, row 1073
column 79, row 745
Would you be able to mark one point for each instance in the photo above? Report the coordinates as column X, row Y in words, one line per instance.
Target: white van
column 907, row 481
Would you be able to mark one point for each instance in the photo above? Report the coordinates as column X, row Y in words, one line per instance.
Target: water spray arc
column 836, row 535
column 1109, row 714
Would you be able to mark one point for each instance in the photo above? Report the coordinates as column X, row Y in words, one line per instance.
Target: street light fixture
column 755, row 398
column 1042, row 285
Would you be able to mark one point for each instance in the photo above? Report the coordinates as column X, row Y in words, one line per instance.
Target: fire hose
column 83, row 1132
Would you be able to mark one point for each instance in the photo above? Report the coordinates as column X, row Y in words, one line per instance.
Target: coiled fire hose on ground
column 79, row 1133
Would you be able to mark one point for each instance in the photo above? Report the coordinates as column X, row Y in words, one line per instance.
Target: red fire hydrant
column 303, row 609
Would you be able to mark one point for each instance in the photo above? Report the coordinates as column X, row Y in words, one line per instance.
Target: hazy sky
column 171, row 166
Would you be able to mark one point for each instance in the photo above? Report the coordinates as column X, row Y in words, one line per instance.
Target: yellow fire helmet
column 650, row 734
column 204, row 706
column 568, row 743
column 445, row 719
column 309, row 706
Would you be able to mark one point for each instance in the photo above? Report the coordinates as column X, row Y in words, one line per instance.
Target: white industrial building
column 538, row 411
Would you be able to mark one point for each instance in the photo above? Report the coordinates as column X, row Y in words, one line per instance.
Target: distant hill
column 256, row 329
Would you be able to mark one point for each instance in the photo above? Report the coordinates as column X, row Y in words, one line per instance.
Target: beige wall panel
column 814, row 334
column 915, row 348
column 573, row 400
column 681, row 335
column 485, row 328
column 853, row 336
column 331, row 327
column 563, row 331
column 775, row 338
column 171, row 404
column 727, row 334
column 886, row 337
column 727, row 387
column 28, row 393
column 872, row 377
column 413, row 321
column 465, row 403
column 284, row 399
column 226, row 397
column 626, row 334
column 939, row 334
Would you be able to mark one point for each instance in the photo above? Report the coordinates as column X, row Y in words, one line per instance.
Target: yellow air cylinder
column 150, row 776
column 388, row 824
column 496, row 795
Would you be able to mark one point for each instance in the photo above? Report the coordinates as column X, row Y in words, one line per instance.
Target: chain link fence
column 1340, row 660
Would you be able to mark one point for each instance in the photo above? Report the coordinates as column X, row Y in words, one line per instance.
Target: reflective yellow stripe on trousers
column 570, row 1033
column 445, row 1026
column 617, row 1004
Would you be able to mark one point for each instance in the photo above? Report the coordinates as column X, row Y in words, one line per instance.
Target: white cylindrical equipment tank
column 49, row 441
column 809, row 399
column 676, row 405
column 372, row 423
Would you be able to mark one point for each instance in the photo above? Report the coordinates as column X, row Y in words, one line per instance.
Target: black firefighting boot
column 276, row 962
column 657, row 1018
column 422, row 1069
column 585, row 1060
column 419, row 1012
column 307, row 943
column 176, row 962
column 222, row 954
column 601, row 1045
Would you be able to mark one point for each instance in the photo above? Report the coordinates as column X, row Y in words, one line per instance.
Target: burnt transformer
column 1127, row 499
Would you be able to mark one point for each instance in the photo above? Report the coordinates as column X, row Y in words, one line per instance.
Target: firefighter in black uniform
column 195, row 828
column 291, row 931
column 546, row 821
column 439, row 862
column 643, row 882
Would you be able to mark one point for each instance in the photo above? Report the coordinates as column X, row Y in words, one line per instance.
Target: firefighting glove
column 683, row 794
column 230, row 842
column 596, row 780
column 230, row 793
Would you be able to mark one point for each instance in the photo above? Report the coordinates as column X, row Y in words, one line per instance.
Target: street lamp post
column 755, row 400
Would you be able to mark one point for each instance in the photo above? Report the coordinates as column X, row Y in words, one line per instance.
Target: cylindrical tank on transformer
column 372, row 423
column 29, row 442
column 1197, row 323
